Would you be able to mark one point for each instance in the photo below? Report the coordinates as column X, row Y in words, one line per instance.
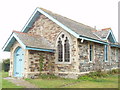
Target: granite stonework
column 79, row 54
column 98, row 62
column 114, row 60
column 46, row 28
column 35, row 57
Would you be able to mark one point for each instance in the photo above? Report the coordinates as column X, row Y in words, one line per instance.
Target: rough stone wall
column 69, row 70
column 46, row 28
column 98, row 62
column 80, row 54
column 34, row 58
column 84, row 64
column 118, row 58
column 114, row 62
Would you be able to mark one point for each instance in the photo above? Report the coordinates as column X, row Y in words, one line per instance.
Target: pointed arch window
column 67, row 50
column 60, row 51
column 63, row 49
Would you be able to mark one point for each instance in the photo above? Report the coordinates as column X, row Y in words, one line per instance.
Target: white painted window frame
column 93, row 52
column 105, row 52
column 116, row 55
column 63, row 42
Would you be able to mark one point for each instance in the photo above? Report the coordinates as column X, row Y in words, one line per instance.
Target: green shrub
column 6, row 65
column 95, row 76
column 47, row 76
column 98, row 74
column 85, row 77
column 114, row 71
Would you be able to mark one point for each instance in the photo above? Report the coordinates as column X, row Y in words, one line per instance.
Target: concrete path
column 20, row 82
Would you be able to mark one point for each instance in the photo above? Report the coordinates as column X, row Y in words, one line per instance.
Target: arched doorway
column 18, row 62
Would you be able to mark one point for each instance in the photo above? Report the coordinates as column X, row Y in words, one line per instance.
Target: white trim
column 13, row 35
column 51, row 18
column 60, row 24
column 116, row 55
column 105, row 52
column 93, row 52
column 19, row 41
column 107, row 35
column 29, row 20
column 63, row 39
column 110, row 31
column 97, row 36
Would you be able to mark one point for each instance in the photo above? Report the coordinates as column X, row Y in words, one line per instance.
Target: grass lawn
column 6, row 83
column 110, row 81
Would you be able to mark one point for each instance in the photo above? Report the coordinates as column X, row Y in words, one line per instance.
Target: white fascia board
column 51, row 18
column 108, row 35
column 29, row 20
column 113, row 36
column 97, row 36
column 39, row 49
column 8, row 41
column 93, row 40
column 60, row 24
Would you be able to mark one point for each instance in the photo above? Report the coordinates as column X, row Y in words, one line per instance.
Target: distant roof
column 34, row 41
column 102, row 33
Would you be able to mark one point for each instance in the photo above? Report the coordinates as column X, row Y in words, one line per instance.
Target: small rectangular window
column 116, row 55
column 91, row 53
column 106, row 53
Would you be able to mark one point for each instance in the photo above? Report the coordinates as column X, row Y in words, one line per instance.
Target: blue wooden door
column 18, row 62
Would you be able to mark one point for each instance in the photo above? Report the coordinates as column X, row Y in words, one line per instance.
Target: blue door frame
column 18, row 62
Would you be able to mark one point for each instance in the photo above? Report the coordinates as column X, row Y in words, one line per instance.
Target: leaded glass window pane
column 60, row 51
column 91, row 52
column 67, row 50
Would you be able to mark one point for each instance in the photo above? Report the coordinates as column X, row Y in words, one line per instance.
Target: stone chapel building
column 52, row 44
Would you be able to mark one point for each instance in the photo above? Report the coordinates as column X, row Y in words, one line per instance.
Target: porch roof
column 29, row 41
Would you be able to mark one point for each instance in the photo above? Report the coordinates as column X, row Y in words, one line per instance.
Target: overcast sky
column 15, row 13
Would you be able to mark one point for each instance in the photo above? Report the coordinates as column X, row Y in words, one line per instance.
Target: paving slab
column 20, row 82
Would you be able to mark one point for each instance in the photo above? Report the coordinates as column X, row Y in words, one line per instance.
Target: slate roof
column 79, row 28
column 34, row 41
column 102, row 34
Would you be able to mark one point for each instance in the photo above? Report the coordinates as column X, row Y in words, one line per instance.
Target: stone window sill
column 63, row 63
column 105, row 61
column 91, row 62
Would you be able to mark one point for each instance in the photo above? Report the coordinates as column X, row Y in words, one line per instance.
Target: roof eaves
column 97, row 36
column 114, row 45
column 40, row 49
column 13, row 35
column 93, row 40
column 59, row 23
column 31, row 20
column 110, row 32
